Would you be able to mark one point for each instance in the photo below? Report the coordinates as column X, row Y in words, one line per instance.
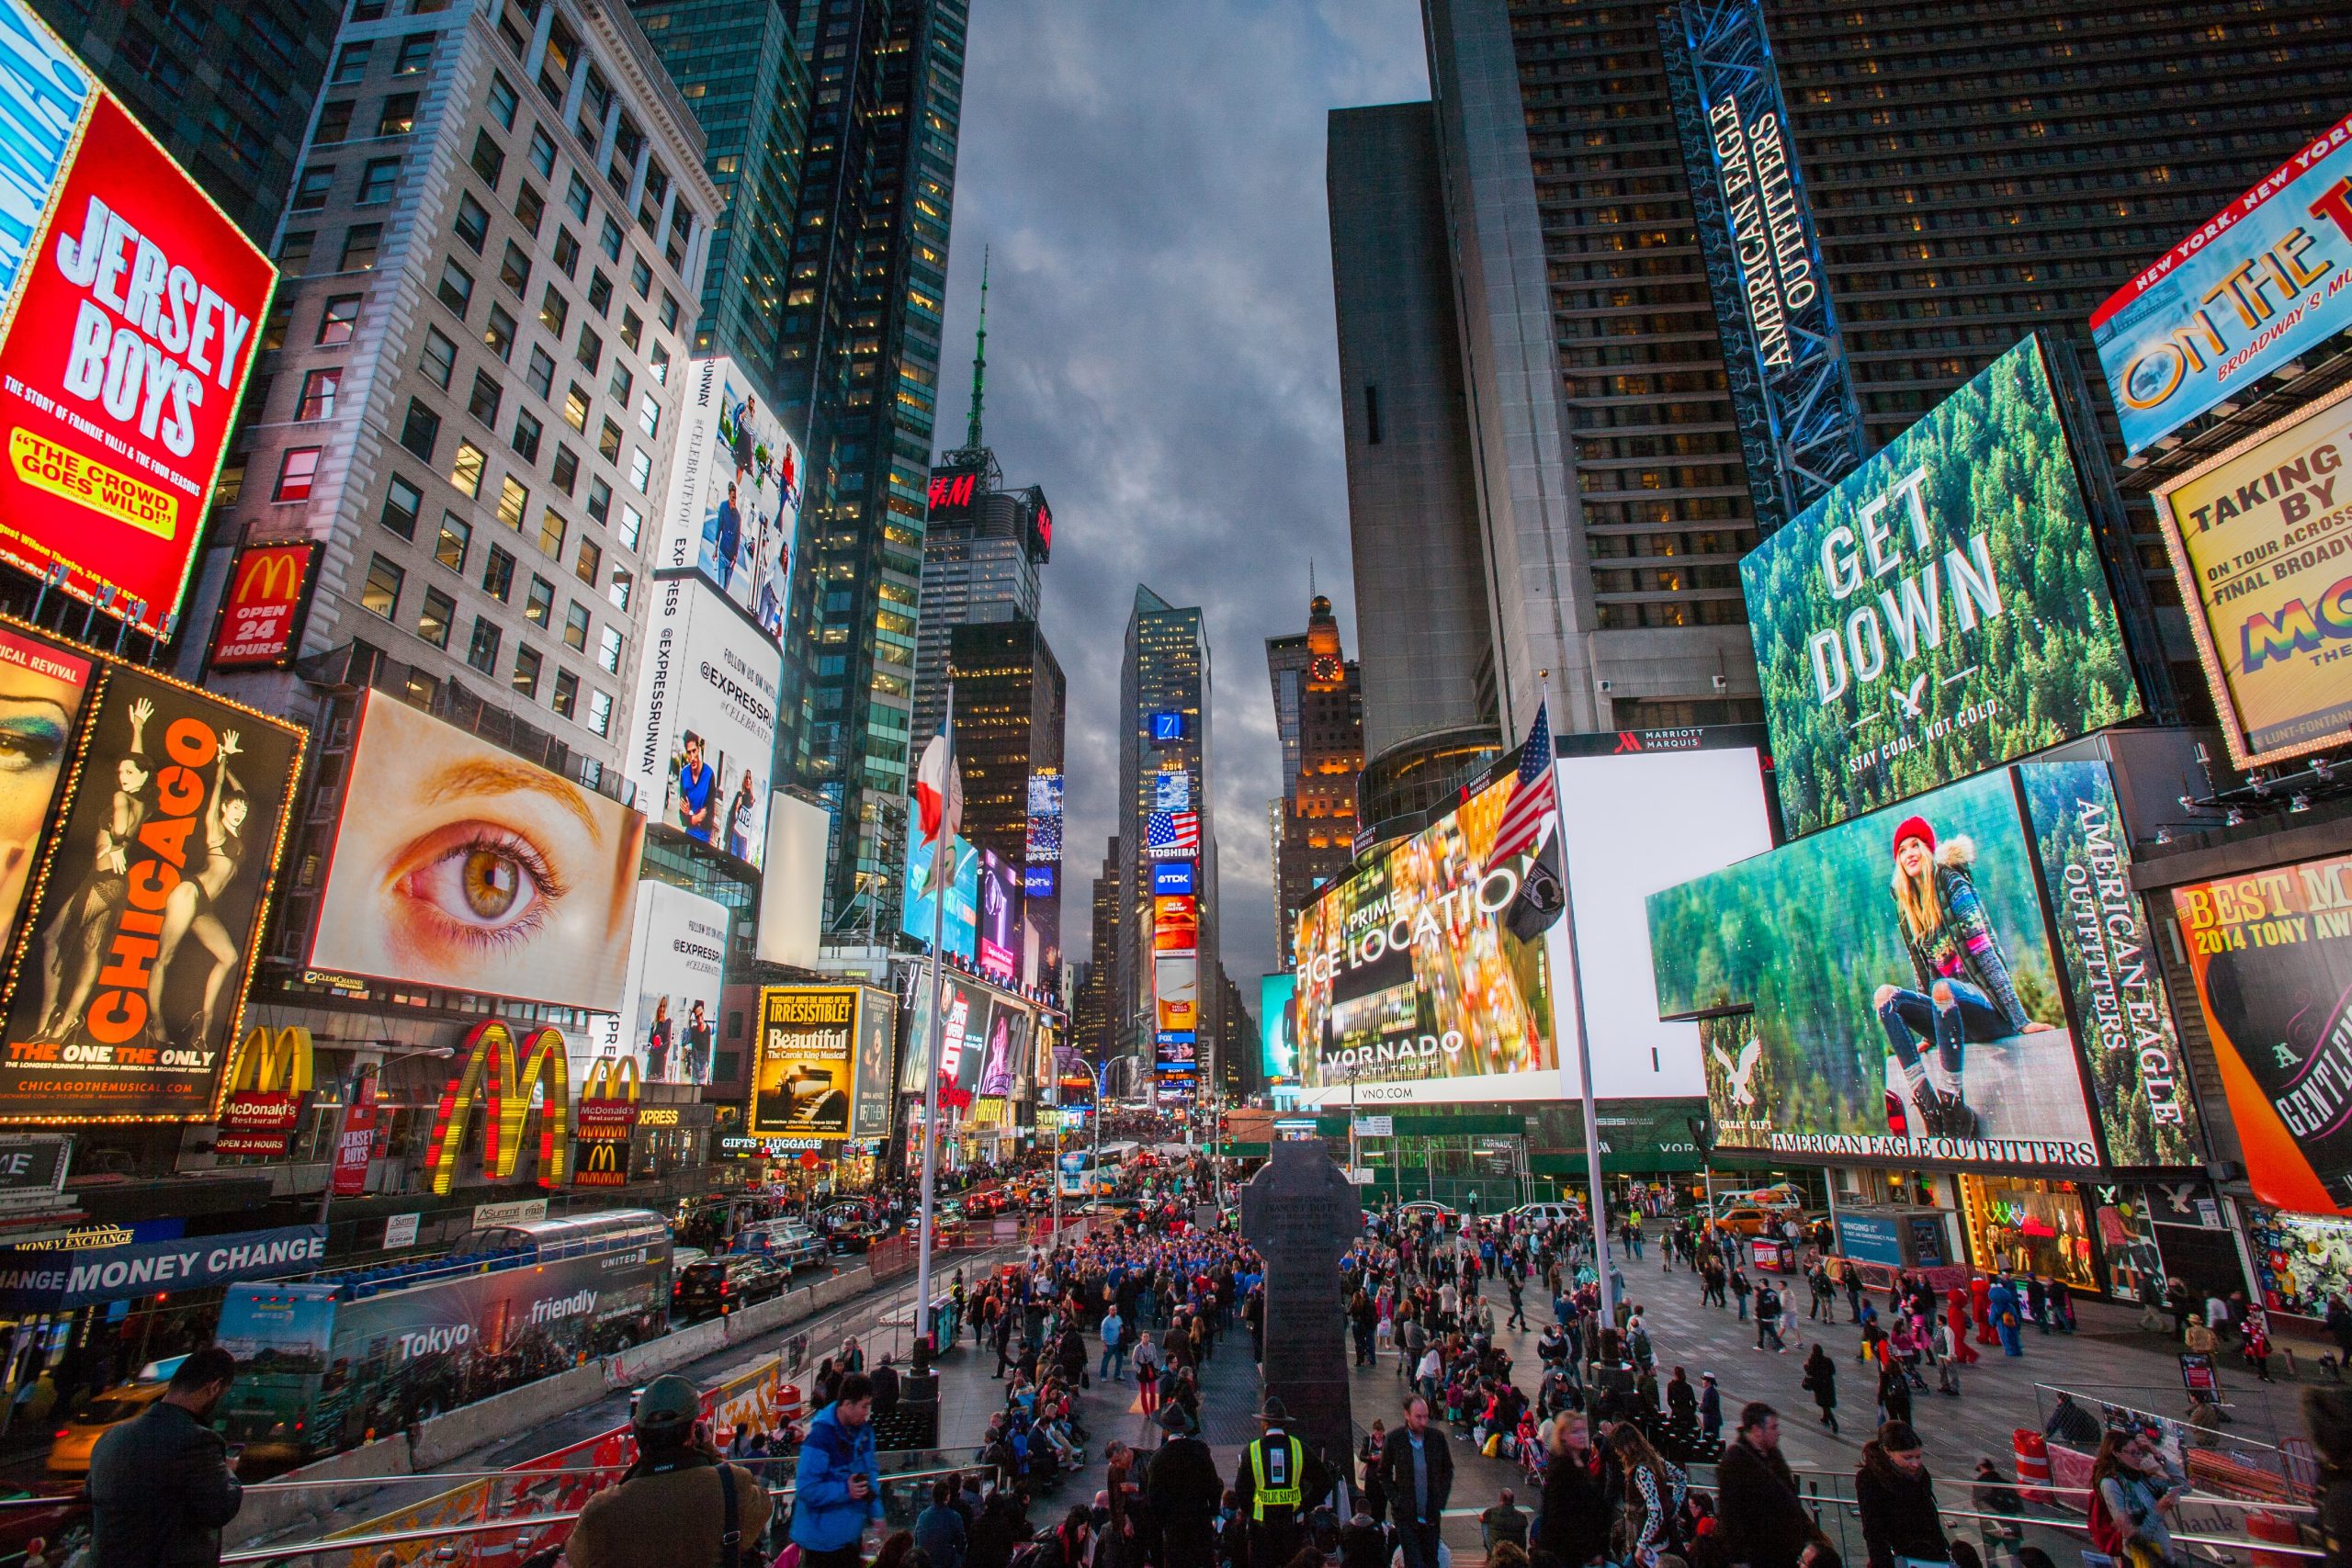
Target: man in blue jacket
column 836, row 1493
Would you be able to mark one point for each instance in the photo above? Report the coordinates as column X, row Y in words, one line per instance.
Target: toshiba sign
column 127, row 334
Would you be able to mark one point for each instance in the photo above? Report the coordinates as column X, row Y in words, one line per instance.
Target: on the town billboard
column 2261, row 281
column 1943, row 610
column 460, row 866
column 705, row 742
column 734, row 504
column 2261, row 539
column 128, row 307
column 127, row 982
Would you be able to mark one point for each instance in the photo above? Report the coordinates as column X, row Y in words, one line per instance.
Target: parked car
column 717, row 1286
column 1428, row 1209
column 1546, row 1214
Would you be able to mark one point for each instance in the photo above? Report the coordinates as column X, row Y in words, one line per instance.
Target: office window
column 621, row 384
column 632, row 327
column 640, row 470
column 472, row 222
column 481, row 649
column 439, row 359
column 566, row 468
column 513, row 502
column 567, row 692
column 318, row 393
column 360, row 244
column 497, row 573
column 575, row 408
column 503, row 102
column 421, row 430
column 489, row 159
column 610, row 241
column 575, row 628
column 600, row 292
column 649, row 416
column 483, row 404
column 296, row 468
column 381, row 594
column 589, row 350
column 669, row 310
column 416, row 54
column 608, row 441
column 294, row 250
column 311, row 189
column 402, row 500
column 334, row 123
column 339, row 319
column 575, row 197
column 641, row 277
column 543, row 152
column 609, row 643
column 539, row 605
column 229, row 487
column 397, row 117
column 526, row 672
column 530, row 207
column 515, row 269
column 589, row 567
column 600, row 712
column 567, row 253
column 377, row 178
column 467, row 469
column 526, row 439
column 499, row 335
column 621, row 588
column 455, row 543
column 552, row 528
column 600, row 500
column 554, row 311
column 434, row 621
column 273, row 326
column 632, row 528
column 658, row 362
column 541, row 374
column 351, row 65
column 456, row 287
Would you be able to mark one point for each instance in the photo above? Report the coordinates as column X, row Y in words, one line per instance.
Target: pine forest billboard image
column 1944, row 610
column 1904, row 996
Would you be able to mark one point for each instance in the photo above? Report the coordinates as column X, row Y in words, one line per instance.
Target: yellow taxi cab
column 69, row 1450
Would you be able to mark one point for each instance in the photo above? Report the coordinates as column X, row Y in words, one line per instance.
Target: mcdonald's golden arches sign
column 261, row 614
column 269, row 1084
column 489, row 1079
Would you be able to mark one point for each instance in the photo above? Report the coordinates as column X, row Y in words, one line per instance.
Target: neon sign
column 489, row 1079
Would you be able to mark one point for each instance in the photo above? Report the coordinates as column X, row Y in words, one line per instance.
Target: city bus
column 329, row 1362
column 1083, row 1177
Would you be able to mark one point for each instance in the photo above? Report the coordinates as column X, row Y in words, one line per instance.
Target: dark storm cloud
column 1149, row 179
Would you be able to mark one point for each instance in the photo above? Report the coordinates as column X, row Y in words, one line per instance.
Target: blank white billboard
column 792, row 887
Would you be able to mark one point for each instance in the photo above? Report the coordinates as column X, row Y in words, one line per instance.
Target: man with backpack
column 679, row 1504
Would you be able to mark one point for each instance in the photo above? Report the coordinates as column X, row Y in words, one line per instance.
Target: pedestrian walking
column 161, row 1487
column 1821, row 1382
column 1896, row 1497
column 1758, row 1519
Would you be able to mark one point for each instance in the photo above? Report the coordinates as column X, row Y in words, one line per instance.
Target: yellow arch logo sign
column 267, row 1086
column 489, row 1079
column 611, row 1077
column 272, row 1063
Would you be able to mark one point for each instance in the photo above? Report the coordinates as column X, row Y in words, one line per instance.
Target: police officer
column 679, row 1506
column 1276, row 1485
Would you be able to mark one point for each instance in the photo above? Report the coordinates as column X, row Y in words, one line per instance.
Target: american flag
column 1169, row 834
column 1533, row 803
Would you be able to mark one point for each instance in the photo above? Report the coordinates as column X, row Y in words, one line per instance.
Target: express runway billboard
column 706, row 718
column 734, row 505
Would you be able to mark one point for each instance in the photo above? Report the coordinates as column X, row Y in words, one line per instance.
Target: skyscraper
column 1094, row 1024
column 1165, row 765
column 1322, row 754
column 1011, row 702
column 860, row 366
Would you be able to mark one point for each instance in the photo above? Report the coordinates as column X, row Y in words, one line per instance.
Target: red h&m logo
column 953, row 490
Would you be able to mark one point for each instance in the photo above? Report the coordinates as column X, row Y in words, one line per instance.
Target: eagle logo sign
column 1741, row 1073
column 1909, row 700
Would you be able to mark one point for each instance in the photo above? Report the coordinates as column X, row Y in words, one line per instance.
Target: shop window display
column 2302, row 1259
column 2029, row 1228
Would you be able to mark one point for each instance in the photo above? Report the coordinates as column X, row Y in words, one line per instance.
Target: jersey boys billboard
column 2265, row 278
column 2261, row 539
column 128, row 334
column 1943, row 610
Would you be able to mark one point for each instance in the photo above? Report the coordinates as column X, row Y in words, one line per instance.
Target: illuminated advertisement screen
column 878, row 1024
column 669, row 1010
column 1175, row 924
column 128, row 333
column 804, row 1065
column 2253, row 289
column 127, row 984
column 1037, row 882
column 1278, row 1028
column 999, row 925
column 961, row 1046
column 460, row 865
column 1944, row 610
column 1045, row 823
column 1172, row 878
column 1176, row 991
column 1167, row 727
column 1172, row 790
column 1909, row 998
column 2258, row 539
column 2271, row 954
column 43, row 687
column 734, row 502
column 960, row 933
column 260, row 626
column 704, row 739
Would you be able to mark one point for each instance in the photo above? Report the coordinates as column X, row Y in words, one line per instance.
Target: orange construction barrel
column 2032, row 1451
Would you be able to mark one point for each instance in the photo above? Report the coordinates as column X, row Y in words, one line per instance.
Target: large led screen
column 1944, row 610
column 43, row 686
column 1000, row 918
column 734, row 505
column 704, row 738
column 128, row 979
column 2252, row 289
column 1278, row 1028
column 2261, row 539
column 462, row 866
column 960, row 933
column 2271, row 954
column 131, row 304
column 669, row 1013
column 959, row 1048
column 1905, row 997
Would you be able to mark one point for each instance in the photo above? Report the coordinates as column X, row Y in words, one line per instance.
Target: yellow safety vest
column 1286, row 1496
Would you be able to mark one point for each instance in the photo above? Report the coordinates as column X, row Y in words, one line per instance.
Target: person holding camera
column 678, row 1505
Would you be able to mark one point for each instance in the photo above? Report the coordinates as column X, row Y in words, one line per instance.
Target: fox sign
column 128, row 307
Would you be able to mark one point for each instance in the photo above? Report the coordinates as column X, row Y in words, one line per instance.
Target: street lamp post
column 351, row 1092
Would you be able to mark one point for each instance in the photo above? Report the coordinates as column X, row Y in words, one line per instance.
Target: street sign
column 1375, row 1126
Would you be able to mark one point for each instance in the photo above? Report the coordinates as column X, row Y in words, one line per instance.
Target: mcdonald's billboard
column 489, row 1079
column 269, row 1084
column 260, row 626
column 604, row 1162
column 606, row 1117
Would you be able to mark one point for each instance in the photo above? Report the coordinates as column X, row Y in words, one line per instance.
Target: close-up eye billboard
column 130, row 965
column 2259, row 541
column 129, row 303
column 460, row 866
column 1942, row 611
column 734, row 505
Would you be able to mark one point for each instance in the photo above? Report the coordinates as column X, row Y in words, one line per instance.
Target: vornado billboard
column 1944, row 610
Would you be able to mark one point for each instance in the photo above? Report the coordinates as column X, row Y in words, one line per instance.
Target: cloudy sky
column 1148, row 181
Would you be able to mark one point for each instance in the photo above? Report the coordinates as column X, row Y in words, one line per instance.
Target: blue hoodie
column 825, row 1517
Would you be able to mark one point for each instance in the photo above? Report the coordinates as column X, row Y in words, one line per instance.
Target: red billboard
column 124, row 351
column 261, row 612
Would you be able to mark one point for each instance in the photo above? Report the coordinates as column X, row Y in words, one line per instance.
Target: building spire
column 979, row 358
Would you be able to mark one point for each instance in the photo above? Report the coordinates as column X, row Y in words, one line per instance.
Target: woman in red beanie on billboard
column 1964, row 991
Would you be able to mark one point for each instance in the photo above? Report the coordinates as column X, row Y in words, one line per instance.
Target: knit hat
column 1914, row 827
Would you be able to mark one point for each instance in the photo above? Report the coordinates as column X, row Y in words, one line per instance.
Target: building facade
column 1012, row 702
column 1164, row 686
column 1322, row 755
column 983, row 549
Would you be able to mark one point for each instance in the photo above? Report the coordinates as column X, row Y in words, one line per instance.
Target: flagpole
column 942, row 874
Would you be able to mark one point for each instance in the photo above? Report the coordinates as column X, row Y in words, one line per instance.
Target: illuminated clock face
column 1325, row 668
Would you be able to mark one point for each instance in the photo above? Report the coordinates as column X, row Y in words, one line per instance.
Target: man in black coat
column 1181, row 1493
column 1416, row 1474
column 1279, row 1482
column 160, row 1486
column 1759, row 1519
